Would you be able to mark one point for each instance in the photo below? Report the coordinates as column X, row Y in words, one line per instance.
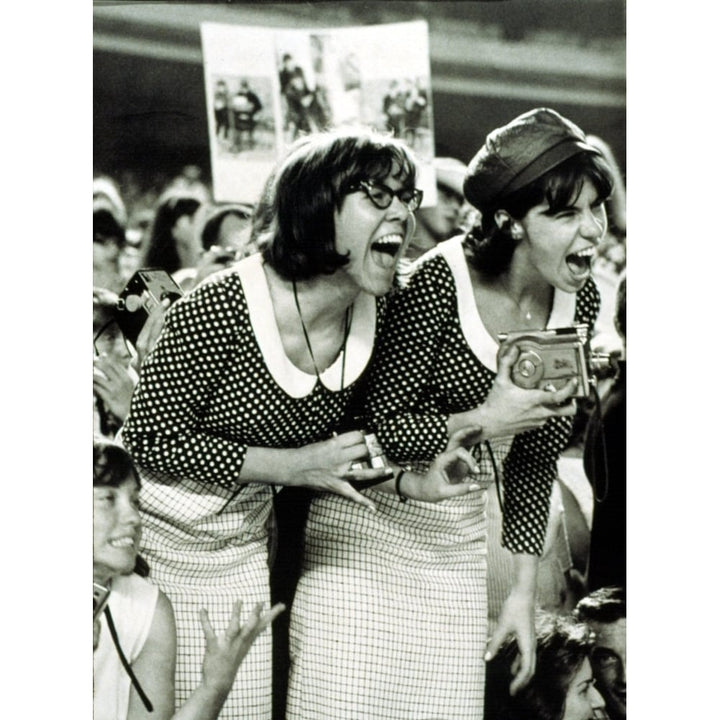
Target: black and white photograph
column 360, row 426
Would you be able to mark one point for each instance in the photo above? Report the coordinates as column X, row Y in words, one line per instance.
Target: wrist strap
column 401, row 497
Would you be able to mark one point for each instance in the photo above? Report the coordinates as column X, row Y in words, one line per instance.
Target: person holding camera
column 253, row 382
column 540, row 189
column 133, row 621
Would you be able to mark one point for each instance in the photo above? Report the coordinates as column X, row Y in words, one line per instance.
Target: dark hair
column 161, row 251
column 562, row 645
column 296, row 230
column 605, row 605
column 491, row 247
column 112, row 464
column 211, row 228
column 107, row 227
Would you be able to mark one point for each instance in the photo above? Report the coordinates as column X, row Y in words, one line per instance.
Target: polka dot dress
column 217, row 383
column 390, row 614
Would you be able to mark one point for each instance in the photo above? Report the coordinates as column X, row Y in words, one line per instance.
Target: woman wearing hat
column 540, row 190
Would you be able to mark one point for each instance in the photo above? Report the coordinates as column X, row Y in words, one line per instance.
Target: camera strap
column 135, row 682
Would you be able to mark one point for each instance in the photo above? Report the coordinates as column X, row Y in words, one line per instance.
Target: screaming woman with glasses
column 253, row 382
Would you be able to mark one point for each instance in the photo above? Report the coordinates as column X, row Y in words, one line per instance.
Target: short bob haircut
column 562, row 645
column 294, row 223
column 492, row 247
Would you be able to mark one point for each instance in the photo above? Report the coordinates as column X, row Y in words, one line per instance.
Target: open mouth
column 385, row 250
column 580, row 263
column 123, row 542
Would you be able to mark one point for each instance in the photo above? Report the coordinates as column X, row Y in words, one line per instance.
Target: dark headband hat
column 521, row 151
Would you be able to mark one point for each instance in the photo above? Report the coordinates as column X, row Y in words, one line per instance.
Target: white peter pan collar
column 482, row 344
column 290, row 378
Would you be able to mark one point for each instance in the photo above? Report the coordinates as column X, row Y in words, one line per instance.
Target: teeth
column 389, row 240
column 123, row 542
column 588, row 252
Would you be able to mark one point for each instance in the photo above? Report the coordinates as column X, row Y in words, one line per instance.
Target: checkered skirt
column 390, row 615
column 204, row 556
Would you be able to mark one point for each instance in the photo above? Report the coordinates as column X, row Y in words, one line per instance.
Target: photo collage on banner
column 266, row 87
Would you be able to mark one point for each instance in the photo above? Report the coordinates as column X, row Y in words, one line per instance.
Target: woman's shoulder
column 438, row 269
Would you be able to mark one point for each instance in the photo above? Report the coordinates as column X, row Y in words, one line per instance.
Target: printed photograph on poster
column 241, row 96
column 267, row 87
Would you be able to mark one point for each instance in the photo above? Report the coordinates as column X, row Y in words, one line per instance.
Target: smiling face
column 582, row 698
column 116, row 529
column 374, row 238
column 560, row 247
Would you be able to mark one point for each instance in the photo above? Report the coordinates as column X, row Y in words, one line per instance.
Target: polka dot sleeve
column 402, row 402
column 531, row 465
column 164, row 430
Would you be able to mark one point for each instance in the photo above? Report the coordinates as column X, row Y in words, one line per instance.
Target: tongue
column 385, row 258
column 578, row 264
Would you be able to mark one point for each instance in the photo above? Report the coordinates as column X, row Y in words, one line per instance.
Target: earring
column 516, row 232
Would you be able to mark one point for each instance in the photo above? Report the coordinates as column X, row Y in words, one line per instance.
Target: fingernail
column 488, row 656
column 473, row 486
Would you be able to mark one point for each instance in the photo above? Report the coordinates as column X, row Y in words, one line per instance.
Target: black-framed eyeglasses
column 381, row 196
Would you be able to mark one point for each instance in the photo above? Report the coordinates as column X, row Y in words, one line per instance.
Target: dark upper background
column 489, row 61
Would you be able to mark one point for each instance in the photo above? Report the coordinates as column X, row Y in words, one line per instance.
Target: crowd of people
column 324, row 419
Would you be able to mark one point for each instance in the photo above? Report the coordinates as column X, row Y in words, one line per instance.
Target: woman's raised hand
column 509, row 409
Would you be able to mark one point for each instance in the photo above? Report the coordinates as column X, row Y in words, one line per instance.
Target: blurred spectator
column 223, row 233
column 442, row 221
column 604, row 611
column 106, row 189
column 172, row 244
column 114, row 378
column 604, row 461
column 562, row 688
column 108, row 241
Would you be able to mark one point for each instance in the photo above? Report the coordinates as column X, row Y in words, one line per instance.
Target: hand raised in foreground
column 225, row 651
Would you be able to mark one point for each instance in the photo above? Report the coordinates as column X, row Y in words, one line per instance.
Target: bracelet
column 401, row 497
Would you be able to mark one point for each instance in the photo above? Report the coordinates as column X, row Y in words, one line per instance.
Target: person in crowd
column 245, row 106
column 253, row 382
column 441, row 221
column 138, row 625
column 540, row 189
column 604, row 610
column 172, row 244
column 562, row 688
column 605, row 464
column 116, row 361
column 108, row 243
column 222, row 230
column 221, row 108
